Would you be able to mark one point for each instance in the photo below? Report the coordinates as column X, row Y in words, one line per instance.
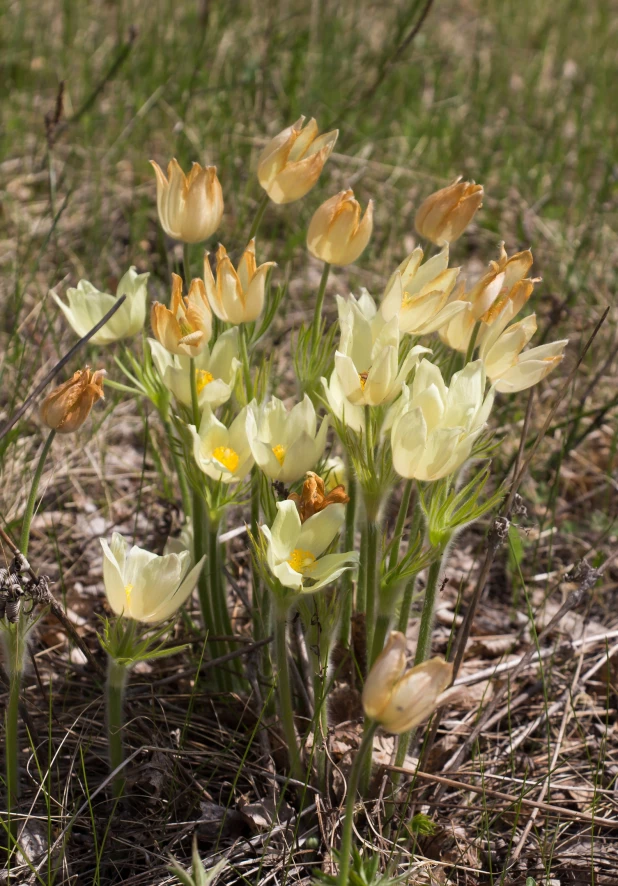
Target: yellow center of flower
column 301, row 561
column 362, row 377
column 203, row 378
column 127, row 592
column 279, row 451
column 229, row 458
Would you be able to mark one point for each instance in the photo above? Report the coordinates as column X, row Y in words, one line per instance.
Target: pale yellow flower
column 291, row 163
column 444, row 215
column 190, row 206
column 337, row 234
column 236, row 296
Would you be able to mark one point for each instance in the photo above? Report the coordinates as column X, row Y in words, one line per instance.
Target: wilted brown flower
column 313, row 498
column 68, row 406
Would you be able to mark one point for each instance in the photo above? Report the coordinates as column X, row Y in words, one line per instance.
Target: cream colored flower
column 336, row 234
column 444, row 215
column 436, row 427
column 216, row 371
column 67, row 407
column 190, row 207
column 236, row 296
column 87, row 306
column 285, row 445
column 144, row 586
column 398, row 699
column 223, row 453
column 184, row 328
column 367, row 361
column 295, row 550
column 504, row 283
column 335, row 473
column 291, row 163
column 501, row 352
column 351, row 416
column 420, row 294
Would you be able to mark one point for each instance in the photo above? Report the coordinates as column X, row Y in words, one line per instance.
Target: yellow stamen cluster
column 203, row 378
column 363, row 379
column 301, row 561
column 279, row 452
column 127, row 592
column 227, row 457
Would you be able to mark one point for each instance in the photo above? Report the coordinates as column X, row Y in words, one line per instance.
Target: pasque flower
column 315, row 497
column 215, row 371
column 291, row 163
column 336, row 234
column 445, row 214
column 295, row 550
column 220, row 452
column 236, row 296
column 67, row 407
column 144, row 586
column 367, row 361
column 400, row 699
column 420, row 293
column 506, row 363
column 436, row 427
column 190, row 206
column 503, row 284
column 185, row 327
column 87, row 306
column 285, row 445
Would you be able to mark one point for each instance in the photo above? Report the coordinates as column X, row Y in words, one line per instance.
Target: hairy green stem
column 399, row 525
column 347, row 579
column 408, row 594
column 195, row 405
column 34, row 488
column 186, row 264
column 320, row 733
column 317, row 314
column 286, row 710
column 258, row 215
column 472, row 342
column 185, row 494
column 117, row 674
column 373, row 582
column 15, row 645
column 358, row 766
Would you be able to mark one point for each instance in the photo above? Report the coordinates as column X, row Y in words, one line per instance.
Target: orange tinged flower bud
column 186, row 326
column 190, row 206
column 68, row 406
column 444, row 216
column 292, row 161
column 314, row 499
column 337, row 234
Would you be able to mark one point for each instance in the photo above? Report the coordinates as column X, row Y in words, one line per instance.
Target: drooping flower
column 336, row 233
column 291, row 163
column 444, row 215
column 87, row 306
column 67, row 407
column 400, row 699
column 436, row 427
column 223, row 453
column 215, row 371
column 367, row 360
column 144, row 586
column 190, row 206
column 236, row 296
column 295, row 550
column 421, row 294
column 315, row 498
column 285, row 445
column 185, row 327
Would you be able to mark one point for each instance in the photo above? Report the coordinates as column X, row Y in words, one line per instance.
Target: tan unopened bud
column 337, row 234
column 400, row 699
column 68, row 406
column 444, row 216
column 190, row 206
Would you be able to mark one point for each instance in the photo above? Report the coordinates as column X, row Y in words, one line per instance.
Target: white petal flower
column 501, row 351
column 87, row 306
column 144, row 586
column 223, row 453
column 285, row 445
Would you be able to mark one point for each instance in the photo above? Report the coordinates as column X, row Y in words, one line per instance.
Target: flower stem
column 258, row 215
column 320, row 734
column 373, row 582
column 317, row 314
column 246, row 363
column 472, row 342
column 195, row 406
column 347, row 579
column 399, row 526
column 117, row 674
column 15, row 644
column 285, row 694
column 408, row 594
column 186, row 263
column 345, row 850
column 34, row 488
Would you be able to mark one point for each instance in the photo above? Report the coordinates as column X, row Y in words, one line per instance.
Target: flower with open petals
column 421, row 294
column 291, row 163
column 315, row 497
column 185, row 327
column 444, row 215
column 87, row 306
column 144, row 586
column 215, row 371
column 190, row 206
column 336, row 234
column 223, row 453
column 236, row 296
column 400, row 699
column 295, row 550
column 367, row 360
column 436, row 427
column 285, row 445
column 67, row 407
